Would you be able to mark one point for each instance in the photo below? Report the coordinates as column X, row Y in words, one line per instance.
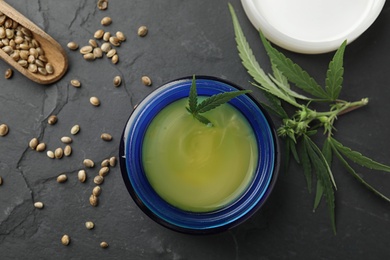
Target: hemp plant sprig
column 196, row 109
column 299, row 128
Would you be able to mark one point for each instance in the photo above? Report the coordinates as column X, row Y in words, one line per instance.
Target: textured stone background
column 185, row 38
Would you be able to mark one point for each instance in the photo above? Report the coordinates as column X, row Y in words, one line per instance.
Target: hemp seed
column 67, row 150
column 50, row 154
column 75, row 129
column 89, row 56
column 105, row 163
column 97, row 191
column 112, row 161
column 117, row 80
column 4, row 130
column 88, row 163
column 72, row 46
column 106, row 36
column 33, row 143
column 93, row 200
column 102, row 4
column 8, row 73
column 115, row 59
column 98, row 180
column 41, row 147
column 65, row 240
column 66, row 139
column 103, row 244
column 146, row 81
column 142, row 31
column 93, row 43
column 104, row 171
column 98, row 34
column 121, row 36
column 82, row 176
column 75, row 83
column 106, row 47
column 52, row 120
column 106, row 21
column 106, row 137
column 58, row 153
column 94, row 101
column 97, row 52
column 111, row 53
column 62, row 178
column 38, row 205
column 86, row 49
column 89, row 225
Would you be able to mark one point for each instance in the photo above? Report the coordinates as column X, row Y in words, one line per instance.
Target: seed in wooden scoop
column 106, row 137
column 98, row 180
column 94, row 101
column 93, row 200
column 89, row 225
column 88, row 163
column 4, row 130
column 38, row 205
column 65, row 240
column 1, row 181
column 82, row 176
column 103, row 244
column 62, row 178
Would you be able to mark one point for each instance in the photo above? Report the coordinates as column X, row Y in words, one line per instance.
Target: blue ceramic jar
column 190, row 222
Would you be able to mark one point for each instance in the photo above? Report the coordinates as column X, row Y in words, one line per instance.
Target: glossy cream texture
column 196, row 167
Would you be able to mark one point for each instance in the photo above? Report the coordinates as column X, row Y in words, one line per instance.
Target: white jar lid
column 312, row 26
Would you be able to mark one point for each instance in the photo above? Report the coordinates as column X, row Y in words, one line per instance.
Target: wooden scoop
column 54, row 53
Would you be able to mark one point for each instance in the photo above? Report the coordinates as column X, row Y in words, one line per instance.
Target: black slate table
column 185, row 38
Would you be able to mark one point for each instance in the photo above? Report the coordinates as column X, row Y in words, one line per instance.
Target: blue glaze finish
column 183, row 221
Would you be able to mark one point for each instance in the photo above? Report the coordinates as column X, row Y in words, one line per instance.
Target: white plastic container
column 312, row 26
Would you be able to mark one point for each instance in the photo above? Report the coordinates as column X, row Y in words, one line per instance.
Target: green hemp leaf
column 298, row 129
column 209, row 103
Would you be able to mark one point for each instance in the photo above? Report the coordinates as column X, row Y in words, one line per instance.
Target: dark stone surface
column 185, row 38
